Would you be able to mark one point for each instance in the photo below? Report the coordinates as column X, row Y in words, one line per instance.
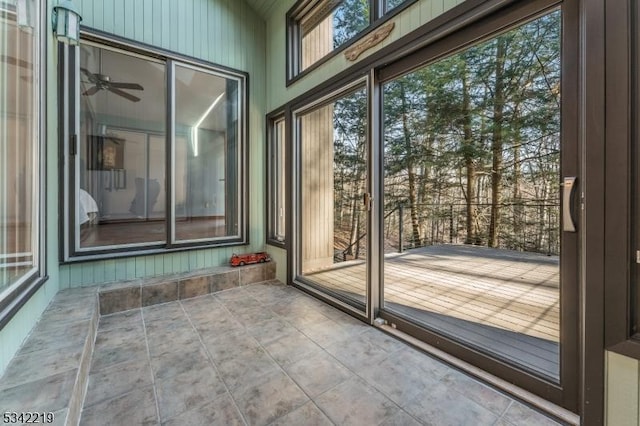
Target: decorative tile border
column 123, row 296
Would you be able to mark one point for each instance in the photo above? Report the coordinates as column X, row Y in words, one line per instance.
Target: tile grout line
column 210, row 358
column 92, row 347
column 153, row 379
column 290, row 378
column 353, row 372
column 322, row 349
column 505, row 412
column 262, row 305
column 372, row 385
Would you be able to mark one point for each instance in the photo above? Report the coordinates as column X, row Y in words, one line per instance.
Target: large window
column 276, row 181
column 318, row 28
column 20, row 185
column 205, row 155
column 158, row 162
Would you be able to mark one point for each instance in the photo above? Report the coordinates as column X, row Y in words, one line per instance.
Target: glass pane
column 392, row 4
column 206, row 155
column 120, row 178
column 471, row 195
column 19, row 137
column 276, row 177
column 330, row 25
column 333, row 149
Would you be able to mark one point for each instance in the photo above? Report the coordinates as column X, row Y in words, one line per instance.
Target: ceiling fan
column 103, row 82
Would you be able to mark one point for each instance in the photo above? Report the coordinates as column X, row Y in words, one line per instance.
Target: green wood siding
column 622, row 384
column 225, row 32
column 278, row 94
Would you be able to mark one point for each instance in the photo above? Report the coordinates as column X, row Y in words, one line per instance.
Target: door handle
column 568, row 192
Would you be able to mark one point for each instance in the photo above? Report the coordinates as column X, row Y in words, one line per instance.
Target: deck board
column 500, row 300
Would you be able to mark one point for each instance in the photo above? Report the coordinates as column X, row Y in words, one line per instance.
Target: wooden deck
column 503, row 301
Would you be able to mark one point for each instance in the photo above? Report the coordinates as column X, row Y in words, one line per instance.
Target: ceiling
column 263, row 7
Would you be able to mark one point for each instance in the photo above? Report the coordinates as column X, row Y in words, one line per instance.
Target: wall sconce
column 66, row 22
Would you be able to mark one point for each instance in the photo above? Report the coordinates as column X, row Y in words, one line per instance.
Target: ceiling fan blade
column 15, row 61
column 123, row 94
column 92, row 77
column 91, row 91
column 130, row 86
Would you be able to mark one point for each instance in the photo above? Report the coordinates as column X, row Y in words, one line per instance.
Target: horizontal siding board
column 135, row 21
column 88, row 273
column 108, row 16
column 109, row 270
column 75, row 277
column 150, row 266
column 98, row 272
column 119, row 17
column 158, row 267
column 63, row 276
column 166, row 23
column 227, row 32
column 622, row 390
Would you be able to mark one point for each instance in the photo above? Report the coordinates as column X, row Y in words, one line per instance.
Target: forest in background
column 471, row 149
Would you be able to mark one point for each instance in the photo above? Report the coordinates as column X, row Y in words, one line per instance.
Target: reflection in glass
column 471, row 195
column 276, row 181
column 333, row 155
column 19, row 136
column 206, row 155
column 392, row 4
column 330, row 25
column 120, row 177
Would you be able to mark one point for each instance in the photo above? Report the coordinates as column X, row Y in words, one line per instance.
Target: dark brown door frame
column 591, row 109
column 566, row 393
column 586, row 40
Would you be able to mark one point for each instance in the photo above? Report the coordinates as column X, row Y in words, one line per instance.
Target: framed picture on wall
column 105, row 152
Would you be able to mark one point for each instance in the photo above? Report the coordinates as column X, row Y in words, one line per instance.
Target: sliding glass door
column 333, row 196
column 472, row 195
column 457, row 224
column 155, row 153
column 478, row 202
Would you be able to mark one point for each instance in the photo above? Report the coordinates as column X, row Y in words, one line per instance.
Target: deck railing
column 527, row 227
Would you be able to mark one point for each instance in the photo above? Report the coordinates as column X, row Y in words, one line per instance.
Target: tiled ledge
column 127, row 295
column 49, row 372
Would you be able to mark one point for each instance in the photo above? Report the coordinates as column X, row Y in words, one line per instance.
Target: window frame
column 450, row 24
column 296, row 110
column 301, row 8
column 273, row 147
column 14, row 297
column 69, row 137
column 622, row 207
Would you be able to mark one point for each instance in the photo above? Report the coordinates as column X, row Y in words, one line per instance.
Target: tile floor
column 269, row 354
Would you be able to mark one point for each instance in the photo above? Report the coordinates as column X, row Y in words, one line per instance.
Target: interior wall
column 622, row 383
column 227, row 33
